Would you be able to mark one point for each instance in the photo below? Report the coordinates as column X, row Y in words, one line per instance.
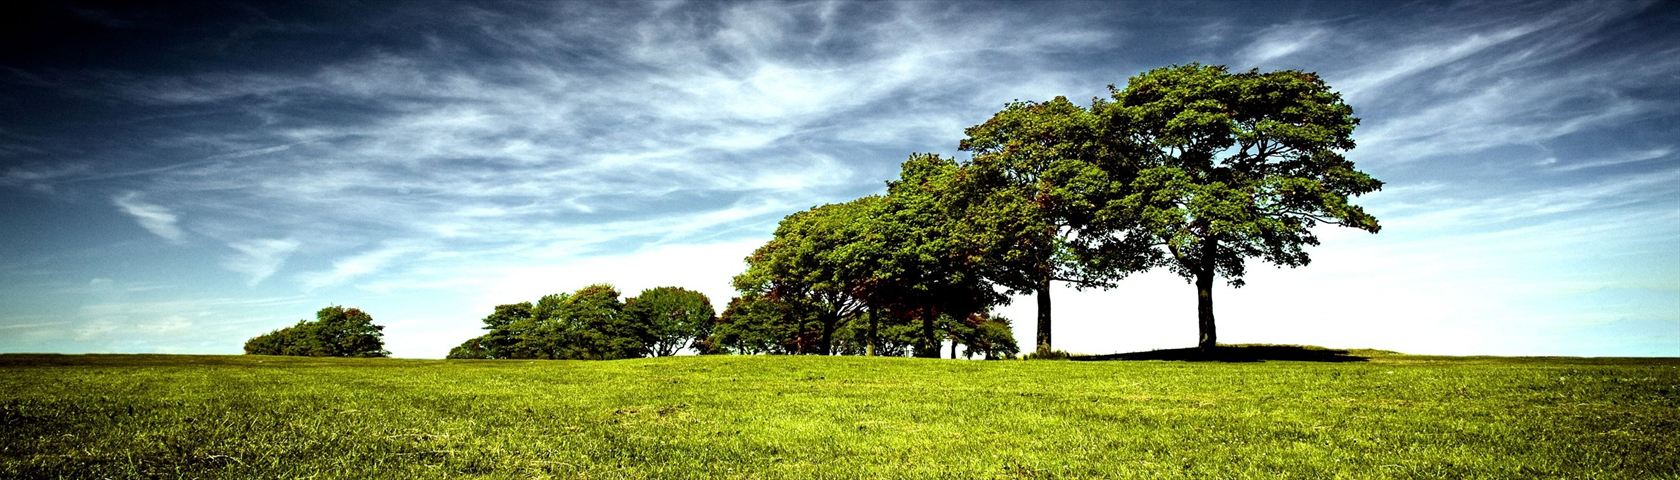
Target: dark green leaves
column 672, row 317
column 335, row 332
column 1251, row 161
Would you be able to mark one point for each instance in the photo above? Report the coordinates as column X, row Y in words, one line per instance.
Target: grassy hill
column 1392, row 416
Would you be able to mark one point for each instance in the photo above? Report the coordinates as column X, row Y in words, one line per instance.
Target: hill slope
column 844, row 417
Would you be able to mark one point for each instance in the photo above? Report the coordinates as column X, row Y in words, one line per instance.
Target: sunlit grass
column 847, row 417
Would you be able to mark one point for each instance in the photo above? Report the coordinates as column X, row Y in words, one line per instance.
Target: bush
column 1046, row 354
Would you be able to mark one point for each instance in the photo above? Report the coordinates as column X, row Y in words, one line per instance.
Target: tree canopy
column 883, row 260
column 587, row 324
column 335, row 332
column 1231, row 166
column 1030, row 198
column 810, row 266
column 673, row 318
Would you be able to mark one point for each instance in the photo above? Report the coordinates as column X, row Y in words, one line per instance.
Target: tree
column 1232, row 166
column 335, row 332
column 587, row 324
column 511, row 327
column 913, row 263
column 805, row 266
column 882, row 259
column 673, row 317
column 878, row 333
column 989, row 336
column 1030, row 199
column 472, row 349
column 591, row 324
column 755, row 324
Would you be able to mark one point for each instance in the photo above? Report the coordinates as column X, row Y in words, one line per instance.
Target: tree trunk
column 953, row 349
column 870, row 349
column 928, row 345
column 1044, row 314
column 828, row 335
column 1204, row 296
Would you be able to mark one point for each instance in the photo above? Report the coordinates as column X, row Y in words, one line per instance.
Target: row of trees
column 592, row 323
column 767, row 324
column 335, row 332
column 1190, row 168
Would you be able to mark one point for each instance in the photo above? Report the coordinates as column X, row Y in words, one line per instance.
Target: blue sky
column 181, row 178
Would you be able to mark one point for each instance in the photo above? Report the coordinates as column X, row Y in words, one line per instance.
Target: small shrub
column 1045, row 353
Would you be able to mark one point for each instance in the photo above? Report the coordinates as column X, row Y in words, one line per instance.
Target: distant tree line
column 592, row 323
column 335, row 332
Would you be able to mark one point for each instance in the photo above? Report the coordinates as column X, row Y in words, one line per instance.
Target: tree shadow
column 1235, row 353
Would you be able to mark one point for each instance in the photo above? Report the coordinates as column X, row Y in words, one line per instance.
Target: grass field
column 843, row 417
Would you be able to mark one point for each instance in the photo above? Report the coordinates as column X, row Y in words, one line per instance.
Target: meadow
column 1391, row 416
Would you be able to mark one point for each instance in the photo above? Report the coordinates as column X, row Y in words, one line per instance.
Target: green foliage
column 335, row 332
column 147, row 416
column 1232, row 166
column 898, row 255
column 473, row 349
column 757, row 324
column 990, row 337
column 1044, row 353
column 587, row 324
column 812, row 267
column 893, row 336
column 1249, row 162
column 1032, row 199
column 923, row 267
column 592, row 325
column 673, row 317
column 1031, row 194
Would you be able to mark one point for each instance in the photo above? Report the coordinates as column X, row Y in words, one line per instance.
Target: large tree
column 1231, row 166
column 805, row 266
column 1039, row 176
column 913, row 263
column 673, row 317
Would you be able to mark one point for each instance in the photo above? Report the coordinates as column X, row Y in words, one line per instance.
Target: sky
column 180, row 177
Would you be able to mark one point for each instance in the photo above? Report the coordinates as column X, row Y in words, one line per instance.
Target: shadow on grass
column 1235, row 353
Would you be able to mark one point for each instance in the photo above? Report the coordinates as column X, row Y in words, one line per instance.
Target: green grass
column 810, row 417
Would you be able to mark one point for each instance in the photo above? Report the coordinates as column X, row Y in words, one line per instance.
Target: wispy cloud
column 1627, row 158
column 537, row 145
column 1282, row 41
column 259, row 259
column 677, row 128
column 352, row 267
column 152, row 217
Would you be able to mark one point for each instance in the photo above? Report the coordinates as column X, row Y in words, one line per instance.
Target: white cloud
column 355, row 266
column 1282, row 41
column 1421, row 57
column 154, row 218
column 1612, row 161
column 258, row 259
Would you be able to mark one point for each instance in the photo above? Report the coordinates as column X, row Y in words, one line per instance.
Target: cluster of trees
column 1190, row 168
column 766, row 324
column 335, row 332
column 593, row 323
